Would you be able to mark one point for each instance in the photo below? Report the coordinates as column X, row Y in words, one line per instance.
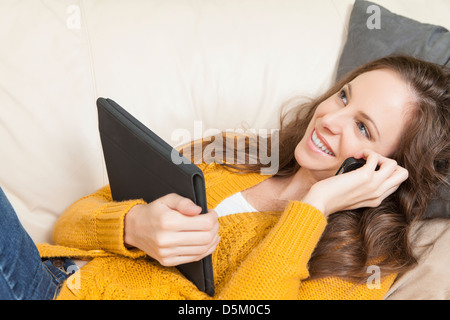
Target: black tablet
column 140, row 166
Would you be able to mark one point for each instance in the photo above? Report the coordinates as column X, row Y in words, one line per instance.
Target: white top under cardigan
column 235, row 203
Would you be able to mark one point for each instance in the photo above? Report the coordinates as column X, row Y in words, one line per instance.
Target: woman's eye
column 363, row 129
column 343, row 96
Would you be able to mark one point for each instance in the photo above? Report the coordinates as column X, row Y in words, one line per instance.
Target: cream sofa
column 174, row 64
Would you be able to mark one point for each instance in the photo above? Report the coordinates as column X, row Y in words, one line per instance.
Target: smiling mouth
column 320, row 144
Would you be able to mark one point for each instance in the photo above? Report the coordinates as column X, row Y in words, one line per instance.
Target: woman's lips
column 319, row 144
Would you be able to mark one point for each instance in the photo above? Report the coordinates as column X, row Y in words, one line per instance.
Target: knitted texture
column 261, row 255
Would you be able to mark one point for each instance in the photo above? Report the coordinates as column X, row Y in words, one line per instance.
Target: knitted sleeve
column 95, row 222
column 276, row 267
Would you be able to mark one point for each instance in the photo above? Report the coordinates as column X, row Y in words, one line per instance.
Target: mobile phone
column 350, row 164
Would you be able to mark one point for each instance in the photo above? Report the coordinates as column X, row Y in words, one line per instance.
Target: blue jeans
column 23, row 275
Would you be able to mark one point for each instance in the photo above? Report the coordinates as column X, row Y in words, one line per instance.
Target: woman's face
column 369, row 112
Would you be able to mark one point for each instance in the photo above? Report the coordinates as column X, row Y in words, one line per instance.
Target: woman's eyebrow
column 363, row 114
column 349, row 87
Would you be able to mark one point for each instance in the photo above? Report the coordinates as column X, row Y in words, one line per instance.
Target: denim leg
column 22, row 274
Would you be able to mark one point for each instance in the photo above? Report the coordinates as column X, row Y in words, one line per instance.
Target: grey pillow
column 440, row 204
column 375, row 32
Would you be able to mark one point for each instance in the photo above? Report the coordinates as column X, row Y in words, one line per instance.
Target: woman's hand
column 172, row 230
column 363, row 187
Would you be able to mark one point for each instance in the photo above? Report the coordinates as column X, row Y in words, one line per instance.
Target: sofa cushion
column 429, row 279
column 375, row 32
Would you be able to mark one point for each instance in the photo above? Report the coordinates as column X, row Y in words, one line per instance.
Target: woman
column 302, row 233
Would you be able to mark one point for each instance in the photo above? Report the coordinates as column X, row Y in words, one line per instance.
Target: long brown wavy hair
column 355, row 239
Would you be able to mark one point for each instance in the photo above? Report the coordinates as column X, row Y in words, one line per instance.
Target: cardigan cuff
column 110, row 228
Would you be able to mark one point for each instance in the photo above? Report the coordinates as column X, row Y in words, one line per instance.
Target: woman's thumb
column 183, row 205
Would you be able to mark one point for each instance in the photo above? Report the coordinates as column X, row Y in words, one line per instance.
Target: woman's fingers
column 382, row 182
column 364, row 187
column 171, row 230
column 188, row 250
column 175, row 238
column 190, row 218
column 201, row 222
column 179, row 255
column 372, row 159
column 181, row 204
column 388, row 174
column 392, row 183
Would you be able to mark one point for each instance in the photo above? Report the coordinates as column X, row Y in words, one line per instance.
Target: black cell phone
column 351, row 164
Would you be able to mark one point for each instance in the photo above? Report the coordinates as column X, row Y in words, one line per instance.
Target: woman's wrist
column 316, row 200
column 129, row 225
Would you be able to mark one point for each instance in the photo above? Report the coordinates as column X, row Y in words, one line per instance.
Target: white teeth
column 320, row 145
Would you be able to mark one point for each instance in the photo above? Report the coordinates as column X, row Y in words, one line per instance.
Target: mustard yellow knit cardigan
column 261, row 255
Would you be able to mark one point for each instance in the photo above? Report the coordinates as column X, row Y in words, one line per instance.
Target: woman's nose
column 334, row 122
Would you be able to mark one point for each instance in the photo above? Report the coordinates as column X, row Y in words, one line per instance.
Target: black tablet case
column 139, row 166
